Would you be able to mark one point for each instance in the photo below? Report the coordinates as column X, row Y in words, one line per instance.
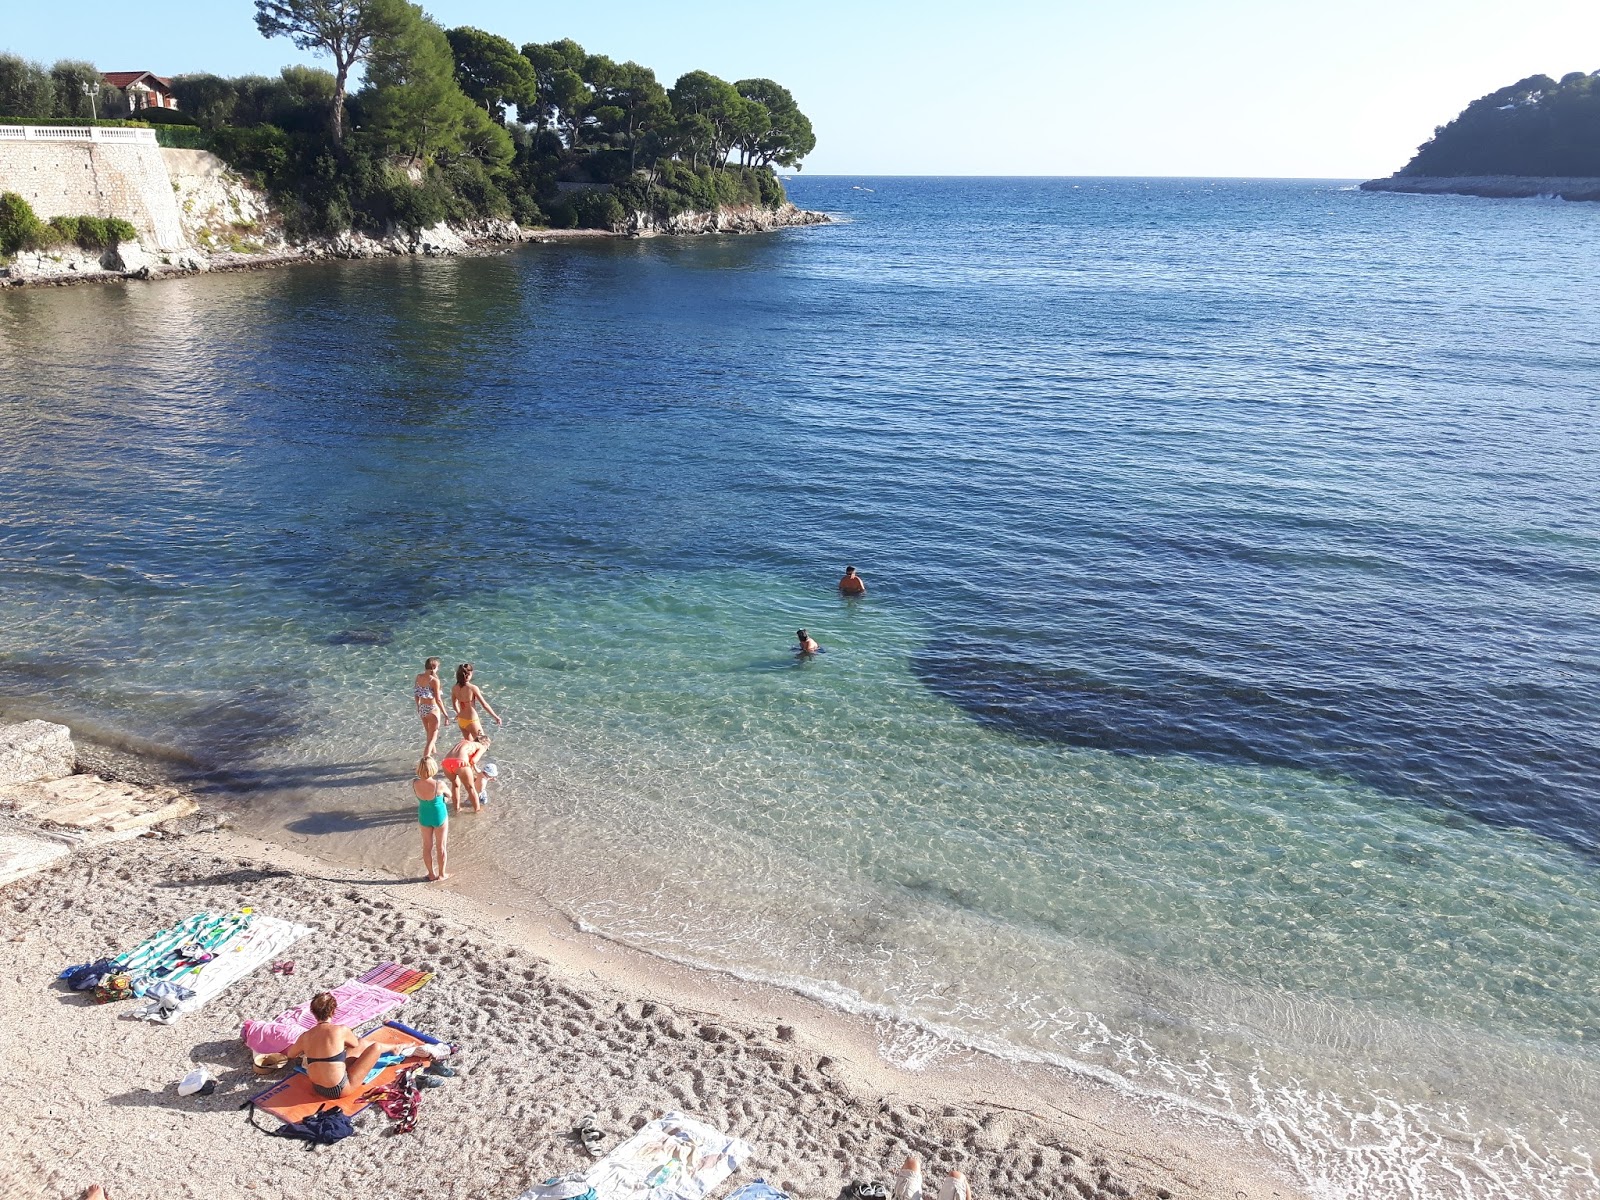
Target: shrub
column 183, row 137
column 106, row 124
column 599, row 210
column 64, row 229
column 525, row 210
column 20, row 229
column 166, row 116
column 562, row 214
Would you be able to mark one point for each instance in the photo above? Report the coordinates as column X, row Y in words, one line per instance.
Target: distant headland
column 1538, row 137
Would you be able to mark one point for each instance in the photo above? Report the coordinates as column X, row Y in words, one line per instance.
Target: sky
column 1226, row 88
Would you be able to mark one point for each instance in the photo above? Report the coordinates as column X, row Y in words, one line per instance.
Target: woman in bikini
column 465, row 696
column 433, row 815
column 326, row 1049
column 428, row 691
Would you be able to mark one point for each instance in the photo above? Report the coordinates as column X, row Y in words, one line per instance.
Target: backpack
column 85, row 975
column 322, row 1128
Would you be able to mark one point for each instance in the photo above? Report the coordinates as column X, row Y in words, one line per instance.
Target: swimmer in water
column 852, row 584
column 808, row 644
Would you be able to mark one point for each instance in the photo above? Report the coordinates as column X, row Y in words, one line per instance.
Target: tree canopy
column 494, row 73
column 1537, row 126
column 461, row 123
column 69, row 89
column 345, row 30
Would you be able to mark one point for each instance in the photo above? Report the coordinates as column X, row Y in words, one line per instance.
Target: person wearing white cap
column 490, row 771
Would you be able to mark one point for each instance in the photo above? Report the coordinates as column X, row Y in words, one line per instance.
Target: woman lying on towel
column 326, row 1049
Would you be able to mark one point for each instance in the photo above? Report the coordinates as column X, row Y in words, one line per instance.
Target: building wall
column 98, row 179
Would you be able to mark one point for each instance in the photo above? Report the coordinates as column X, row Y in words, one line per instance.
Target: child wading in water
column 434, row 817
column 428, row 691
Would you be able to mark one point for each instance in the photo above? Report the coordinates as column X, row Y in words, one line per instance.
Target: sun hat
column 492, row 771
column 270, row 1064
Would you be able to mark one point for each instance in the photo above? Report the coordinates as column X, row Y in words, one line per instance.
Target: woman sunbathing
column 326, row 1049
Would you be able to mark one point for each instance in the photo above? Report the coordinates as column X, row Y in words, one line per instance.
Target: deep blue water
column 1274, row 490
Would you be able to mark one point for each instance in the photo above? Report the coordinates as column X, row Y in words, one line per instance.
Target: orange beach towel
column 293, row 1100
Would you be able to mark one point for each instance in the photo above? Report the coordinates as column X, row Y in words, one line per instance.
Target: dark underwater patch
column 1464, row 753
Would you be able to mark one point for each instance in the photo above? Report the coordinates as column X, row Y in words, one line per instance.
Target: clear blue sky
column 1026, row 87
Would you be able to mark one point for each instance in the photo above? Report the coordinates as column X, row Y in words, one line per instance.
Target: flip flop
column 442, row 1071
column 286, row 967
column 591, row 1136
column 868, row 1189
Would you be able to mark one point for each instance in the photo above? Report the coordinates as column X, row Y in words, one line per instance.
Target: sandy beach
column 553, row 1024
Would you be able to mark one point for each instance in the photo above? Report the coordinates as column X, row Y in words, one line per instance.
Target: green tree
column 493, row 72
column 25, row 88
column 633, row 103
column 563, row 96
column 81, row 92
column 788, row 137
column 706, row 108
column 346, row 30
column 209, row 99
column 413, row 104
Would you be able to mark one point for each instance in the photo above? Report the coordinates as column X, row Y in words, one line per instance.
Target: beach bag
column 113, row 987
column 322, row 1128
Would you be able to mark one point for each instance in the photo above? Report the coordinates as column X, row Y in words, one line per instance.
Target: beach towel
column 358, row 1003
column 293, row 1100
column 171, row 952
column 759, row 1190
column 262, row 939
column 672, row 1158
column 405, row 980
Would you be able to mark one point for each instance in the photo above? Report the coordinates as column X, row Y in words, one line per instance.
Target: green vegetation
column 1537, row 126
column 32, row 90
column 461, row 124
column 21, row 229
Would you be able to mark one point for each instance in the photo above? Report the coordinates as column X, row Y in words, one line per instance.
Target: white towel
column 265, row 938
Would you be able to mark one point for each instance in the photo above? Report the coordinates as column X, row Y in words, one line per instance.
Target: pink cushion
column 270, row 1037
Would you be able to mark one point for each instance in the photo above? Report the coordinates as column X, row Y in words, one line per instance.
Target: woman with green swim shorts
column 433, row 815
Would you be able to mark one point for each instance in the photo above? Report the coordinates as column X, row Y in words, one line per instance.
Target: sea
column 1220, row 721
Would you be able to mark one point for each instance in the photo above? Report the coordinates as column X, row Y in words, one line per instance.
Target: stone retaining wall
column 96, row 179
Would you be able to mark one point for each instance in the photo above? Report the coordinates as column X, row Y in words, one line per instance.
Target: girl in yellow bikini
column 466, row 696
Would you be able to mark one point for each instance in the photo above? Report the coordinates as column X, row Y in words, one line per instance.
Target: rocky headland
column 1492, row 186
column 229, row 225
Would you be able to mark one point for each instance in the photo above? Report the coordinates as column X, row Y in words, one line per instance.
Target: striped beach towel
column 405, row 980
column 158, row 957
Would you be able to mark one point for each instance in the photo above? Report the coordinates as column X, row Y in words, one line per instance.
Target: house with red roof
column 142, row 90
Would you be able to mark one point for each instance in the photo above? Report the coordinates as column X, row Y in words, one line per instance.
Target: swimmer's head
column 463, row 673
column 431, row 665
column 427, row 768
column 849, row 570
column 801, row 634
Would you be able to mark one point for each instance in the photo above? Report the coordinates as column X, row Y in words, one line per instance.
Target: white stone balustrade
column 77, row 133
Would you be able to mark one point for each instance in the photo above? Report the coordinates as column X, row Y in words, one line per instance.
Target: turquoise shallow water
column 1220, row 719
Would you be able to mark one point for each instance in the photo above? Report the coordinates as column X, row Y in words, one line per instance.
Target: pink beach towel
column 358, row 1003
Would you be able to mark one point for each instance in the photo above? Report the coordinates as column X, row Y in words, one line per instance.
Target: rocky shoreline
column 66, row 266
column 1499, row 187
